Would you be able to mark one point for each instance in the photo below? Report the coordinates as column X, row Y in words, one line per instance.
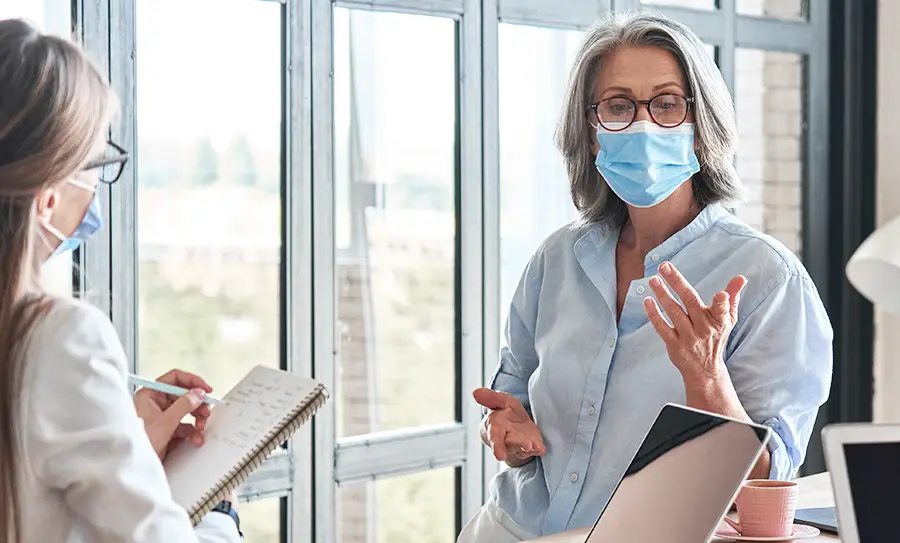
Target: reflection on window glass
column 534, row 188
column 395, row 170
column 260, row 520
column 54, row 17
column 780, row 9
column 420, row 507
column 209, row 226
column 691, row 4
column 209, row 181
column 769, row 91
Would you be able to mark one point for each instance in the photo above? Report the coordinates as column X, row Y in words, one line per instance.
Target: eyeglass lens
column 669, row 110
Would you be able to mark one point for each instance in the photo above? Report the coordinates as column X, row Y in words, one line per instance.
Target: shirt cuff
column 781, row 465
column 217, row 527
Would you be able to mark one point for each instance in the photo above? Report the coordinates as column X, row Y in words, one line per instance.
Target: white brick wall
column 769, row 102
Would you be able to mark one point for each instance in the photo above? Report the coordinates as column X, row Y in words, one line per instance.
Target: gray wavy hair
column 715, row 129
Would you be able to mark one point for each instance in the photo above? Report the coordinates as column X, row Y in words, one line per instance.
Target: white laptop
column 864, row 461
column 680, row 483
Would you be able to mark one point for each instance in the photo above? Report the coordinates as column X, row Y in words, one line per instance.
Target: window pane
column 420, row 507
column 53, row 16
column 780, row 9
column 209, row 227
column 534, row 188
column 692, row 4
column 395, row 175
column 261, row 520
column 769, row 88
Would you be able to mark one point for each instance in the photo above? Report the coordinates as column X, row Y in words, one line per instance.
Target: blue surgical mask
column 645, row 163
column 90, row 224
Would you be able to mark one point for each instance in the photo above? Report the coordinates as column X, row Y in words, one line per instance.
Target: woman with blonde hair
column 79, row 456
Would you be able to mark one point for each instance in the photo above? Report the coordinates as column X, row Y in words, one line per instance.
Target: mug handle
column 734, row 524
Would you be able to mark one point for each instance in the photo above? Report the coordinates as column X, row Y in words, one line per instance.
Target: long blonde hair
column 55, row 107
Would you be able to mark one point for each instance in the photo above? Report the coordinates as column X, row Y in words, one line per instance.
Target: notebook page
column 252, row 409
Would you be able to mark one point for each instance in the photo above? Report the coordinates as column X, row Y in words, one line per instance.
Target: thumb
column 734, row 289
column 181, row 407
column 720, row 307
column 490, row 398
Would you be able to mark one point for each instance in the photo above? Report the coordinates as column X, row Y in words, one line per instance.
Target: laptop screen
column 873, row 470
column 681, row 480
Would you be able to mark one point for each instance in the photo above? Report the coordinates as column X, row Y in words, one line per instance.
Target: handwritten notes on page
column 253, row 411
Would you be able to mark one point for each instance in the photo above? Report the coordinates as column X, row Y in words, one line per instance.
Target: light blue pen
column 168, row 389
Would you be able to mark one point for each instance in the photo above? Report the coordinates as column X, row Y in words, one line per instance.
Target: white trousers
column 491, row 525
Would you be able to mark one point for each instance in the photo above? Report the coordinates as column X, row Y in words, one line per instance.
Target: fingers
column 681, row 286
column 497, row 436
column 201, row 414
column 185, row 379
column 189, row 432
column 663, row 328
column 719, row 310
column 734, row 289
column 676, row 314
column 182, row 407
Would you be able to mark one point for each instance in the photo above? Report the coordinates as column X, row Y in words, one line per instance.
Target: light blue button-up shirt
column 594, row 387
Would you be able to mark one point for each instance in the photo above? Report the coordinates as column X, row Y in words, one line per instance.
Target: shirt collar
column 701, row 224
column 603, row 239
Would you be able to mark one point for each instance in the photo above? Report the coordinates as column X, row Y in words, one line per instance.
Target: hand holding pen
column 163, row 411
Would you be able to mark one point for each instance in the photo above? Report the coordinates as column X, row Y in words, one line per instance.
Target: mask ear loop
column 82, row 185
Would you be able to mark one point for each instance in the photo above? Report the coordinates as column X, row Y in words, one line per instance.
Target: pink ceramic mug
column 766, row 508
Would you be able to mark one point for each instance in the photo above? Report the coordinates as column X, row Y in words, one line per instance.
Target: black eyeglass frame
column 121, row 160
column 688, row 101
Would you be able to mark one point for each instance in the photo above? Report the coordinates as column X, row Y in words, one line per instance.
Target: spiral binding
column 249, row 463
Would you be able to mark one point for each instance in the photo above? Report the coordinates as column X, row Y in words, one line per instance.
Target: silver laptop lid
column 682, row 480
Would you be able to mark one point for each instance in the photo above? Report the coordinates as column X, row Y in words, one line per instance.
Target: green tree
column 206, row 163
column 242, row 165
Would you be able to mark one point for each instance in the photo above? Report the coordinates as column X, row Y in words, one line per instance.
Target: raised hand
column 508, row 429
column 696, row 338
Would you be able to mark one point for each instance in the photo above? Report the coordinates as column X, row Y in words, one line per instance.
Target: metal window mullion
column 451, row 8
column 471, row 253
column 298, row 282
column 727, row 55
column 122, row 211
column 491, row 219
column 410, row 450
column 323, row 270
column 573, row 14
column 775, row 34
column 94, row 263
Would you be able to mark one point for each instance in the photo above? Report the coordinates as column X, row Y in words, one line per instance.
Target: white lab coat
column 88, row 471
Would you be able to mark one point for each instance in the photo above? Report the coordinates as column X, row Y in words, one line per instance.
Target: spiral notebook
column 259, row 414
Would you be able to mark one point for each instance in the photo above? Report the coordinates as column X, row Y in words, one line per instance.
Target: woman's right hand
column 508, row 429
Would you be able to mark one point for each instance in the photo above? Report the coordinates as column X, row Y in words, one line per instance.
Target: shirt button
column 654, row 258
column 591, row 410
column 573, row 477
column 612, row 343
column 640, row 290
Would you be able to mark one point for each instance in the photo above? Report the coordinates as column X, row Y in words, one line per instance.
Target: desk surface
column 815, row 491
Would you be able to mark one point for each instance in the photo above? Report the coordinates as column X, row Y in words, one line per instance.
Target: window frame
column 316, row 461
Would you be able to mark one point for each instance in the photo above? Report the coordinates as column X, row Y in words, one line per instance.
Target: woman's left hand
column 696, row 339
column 163, row 413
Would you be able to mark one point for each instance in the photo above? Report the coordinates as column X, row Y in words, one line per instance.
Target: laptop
column 864, row 461
column 680, row 483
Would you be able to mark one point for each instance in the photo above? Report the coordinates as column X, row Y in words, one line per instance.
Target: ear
column 46, row 203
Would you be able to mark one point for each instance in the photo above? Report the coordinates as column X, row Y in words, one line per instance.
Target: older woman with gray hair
column 659, row 294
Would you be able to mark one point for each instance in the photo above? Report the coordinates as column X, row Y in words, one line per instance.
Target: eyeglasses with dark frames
column 110, row 165
column 619, row 112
